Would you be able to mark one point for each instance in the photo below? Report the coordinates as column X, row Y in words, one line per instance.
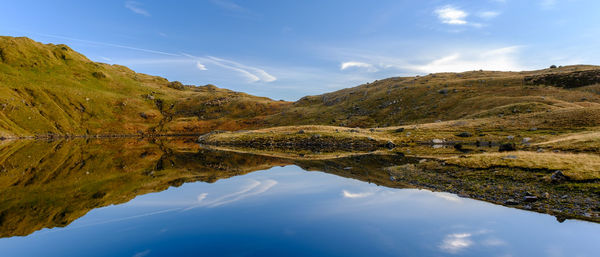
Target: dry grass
column 576, row 166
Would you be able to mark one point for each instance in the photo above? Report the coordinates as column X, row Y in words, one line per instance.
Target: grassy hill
column 48, row 89
column 448, row 96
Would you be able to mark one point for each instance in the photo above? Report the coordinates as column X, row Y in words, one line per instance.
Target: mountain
column 48, row 89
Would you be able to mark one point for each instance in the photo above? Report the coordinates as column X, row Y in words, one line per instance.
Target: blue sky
column 288, row 49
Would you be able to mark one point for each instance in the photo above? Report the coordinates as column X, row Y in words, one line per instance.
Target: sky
column 287, row 49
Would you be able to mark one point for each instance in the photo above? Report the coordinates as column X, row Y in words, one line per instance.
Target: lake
column 130, row 197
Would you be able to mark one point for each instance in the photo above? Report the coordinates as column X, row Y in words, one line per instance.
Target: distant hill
column 49, row 90
column 452, row 96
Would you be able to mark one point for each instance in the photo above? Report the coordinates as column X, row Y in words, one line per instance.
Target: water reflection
column 281, row 210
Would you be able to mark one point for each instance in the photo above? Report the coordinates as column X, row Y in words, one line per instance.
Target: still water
column 165, row 199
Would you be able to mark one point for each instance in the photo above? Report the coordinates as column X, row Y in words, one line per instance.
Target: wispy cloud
column 112, row 45
column 252, row 189
column 451, row 15
column 142, row 254
column 363, row 65
column 488, row 14
column 252, row 74
column 548, row 4
column 256, row 72
column 235, row 9
column 348, row 194
column 229, row 5
column 136, row 8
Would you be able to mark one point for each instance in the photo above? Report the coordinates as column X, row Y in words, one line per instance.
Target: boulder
column 464, row 134
column 558, row 176
column 390, row 145
column 506, row 147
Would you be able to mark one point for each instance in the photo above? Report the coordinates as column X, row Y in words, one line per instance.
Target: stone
column 511, row 202
column 464, row 134
column 437, row 141
column 526, row 140
column 399, row 130
column 301, row 131
column 506, row 147
column 510, row 137
column 510, row 157
column 530, row 198
column 558, row 176
column 390, row 145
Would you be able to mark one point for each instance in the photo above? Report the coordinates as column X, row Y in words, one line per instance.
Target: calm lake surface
column 139, row 198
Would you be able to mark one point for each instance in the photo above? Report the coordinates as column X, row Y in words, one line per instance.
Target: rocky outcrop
column 566, row 80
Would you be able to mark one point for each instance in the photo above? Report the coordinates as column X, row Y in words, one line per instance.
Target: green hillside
column 48, row 89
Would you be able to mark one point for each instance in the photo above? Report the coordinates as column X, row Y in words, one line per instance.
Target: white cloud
column 202, row 196
column 135, row 7
column 347, row 194
column 348, row 65
column 488, row 14
column 200, row 66
column 503, row 59
column 451, row 15
column 454, row 243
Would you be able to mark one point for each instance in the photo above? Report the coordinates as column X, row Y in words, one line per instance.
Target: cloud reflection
column 454, row 243
column 255, row 188
column 348, row 194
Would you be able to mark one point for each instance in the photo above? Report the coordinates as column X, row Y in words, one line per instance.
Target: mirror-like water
column 117, row 199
